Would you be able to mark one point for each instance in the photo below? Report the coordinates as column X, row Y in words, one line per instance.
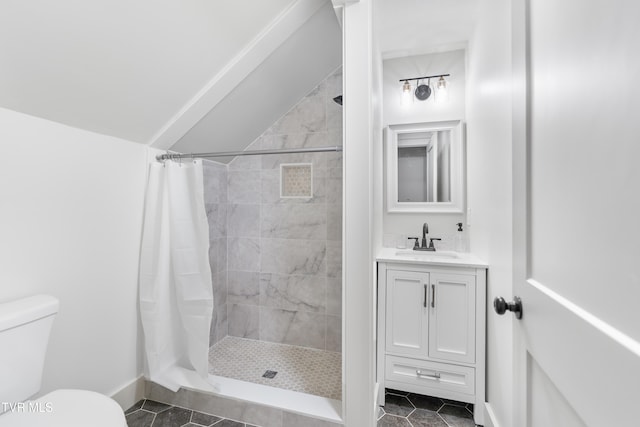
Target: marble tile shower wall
column 215, row 196
column 284, row 254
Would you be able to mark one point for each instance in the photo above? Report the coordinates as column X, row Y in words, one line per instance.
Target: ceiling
column 193, row 75
column 131, row 69
column 418, row 27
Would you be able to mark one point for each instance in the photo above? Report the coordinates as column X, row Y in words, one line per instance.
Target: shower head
column 338, row 99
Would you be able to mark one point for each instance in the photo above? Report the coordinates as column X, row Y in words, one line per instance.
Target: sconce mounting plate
column 423, row 92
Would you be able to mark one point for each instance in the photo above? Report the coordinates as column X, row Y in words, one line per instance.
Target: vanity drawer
column 454, row 378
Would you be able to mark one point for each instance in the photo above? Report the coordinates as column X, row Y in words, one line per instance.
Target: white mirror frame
column 456, row 205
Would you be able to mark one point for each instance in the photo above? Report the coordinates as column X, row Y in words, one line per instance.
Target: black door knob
column 501, row 306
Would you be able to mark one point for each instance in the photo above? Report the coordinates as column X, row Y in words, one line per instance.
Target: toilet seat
column 67, row 408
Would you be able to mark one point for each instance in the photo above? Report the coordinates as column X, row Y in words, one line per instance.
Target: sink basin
column 427, row 254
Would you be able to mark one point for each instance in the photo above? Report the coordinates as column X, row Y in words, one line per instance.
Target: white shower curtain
column 176, row 297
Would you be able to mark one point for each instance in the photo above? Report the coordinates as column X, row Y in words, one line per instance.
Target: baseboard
column 490, row 419
column 376, row 393
column 130, row 393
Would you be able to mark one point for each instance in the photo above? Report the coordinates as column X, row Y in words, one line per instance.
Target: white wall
column 440, row 224
column 70, row 224
column 489, row 168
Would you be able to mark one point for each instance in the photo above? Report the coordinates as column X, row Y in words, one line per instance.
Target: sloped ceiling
column 129, row 68
column 271, row 89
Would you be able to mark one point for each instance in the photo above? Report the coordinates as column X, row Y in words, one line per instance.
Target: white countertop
column 447, row 258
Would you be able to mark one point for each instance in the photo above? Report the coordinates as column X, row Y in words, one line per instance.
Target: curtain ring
column 165, row 157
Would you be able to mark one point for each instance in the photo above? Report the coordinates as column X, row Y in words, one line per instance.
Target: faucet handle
column 416, row 244
column 431, row 242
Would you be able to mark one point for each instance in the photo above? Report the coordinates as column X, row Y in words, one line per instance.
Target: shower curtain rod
column 168, row 156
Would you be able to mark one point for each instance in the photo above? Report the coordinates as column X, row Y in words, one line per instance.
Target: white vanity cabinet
column 431, row 329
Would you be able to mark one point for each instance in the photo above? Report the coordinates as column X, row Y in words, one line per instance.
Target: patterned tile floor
column 306, row 370
column 404, row 409
column 148, row 413
column 401, row 410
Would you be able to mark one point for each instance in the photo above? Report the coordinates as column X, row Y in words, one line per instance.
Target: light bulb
column 442, row 91
column 407, row 94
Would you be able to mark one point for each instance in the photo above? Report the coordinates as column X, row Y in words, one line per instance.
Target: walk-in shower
column 274, row 214
column 275, row 239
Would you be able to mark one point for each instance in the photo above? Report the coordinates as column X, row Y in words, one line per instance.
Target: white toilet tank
column 24, row 332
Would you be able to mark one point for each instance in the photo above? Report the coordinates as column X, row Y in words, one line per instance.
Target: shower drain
column 269, row 374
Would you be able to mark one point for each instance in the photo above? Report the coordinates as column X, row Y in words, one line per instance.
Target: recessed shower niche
column 296, row 180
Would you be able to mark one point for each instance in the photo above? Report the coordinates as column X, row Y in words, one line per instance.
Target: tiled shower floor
column 301, row 369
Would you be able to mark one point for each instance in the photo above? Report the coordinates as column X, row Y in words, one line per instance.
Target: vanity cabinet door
column 407, row 313
column 452, row 312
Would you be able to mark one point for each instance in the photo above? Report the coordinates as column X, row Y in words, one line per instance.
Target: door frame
column 520, row 185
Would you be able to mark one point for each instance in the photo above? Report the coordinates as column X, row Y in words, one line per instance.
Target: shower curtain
column 176, row 297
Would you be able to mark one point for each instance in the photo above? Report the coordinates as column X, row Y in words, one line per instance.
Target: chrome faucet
column 424, row 247
column 425, row 231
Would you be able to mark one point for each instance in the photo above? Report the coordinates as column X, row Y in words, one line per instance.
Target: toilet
column 24, row 332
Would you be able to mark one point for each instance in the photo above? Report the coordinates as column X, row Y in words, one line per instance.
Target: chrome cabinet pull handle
column 420, row 374
column 425, row 296
column 433, row 296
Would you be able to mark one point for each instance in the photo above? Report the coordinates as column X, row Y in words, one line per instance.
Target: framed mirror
column 425, row 170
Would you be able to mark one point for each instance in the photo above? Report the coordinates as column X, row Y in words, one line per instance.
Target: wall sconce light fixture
column 423, row 91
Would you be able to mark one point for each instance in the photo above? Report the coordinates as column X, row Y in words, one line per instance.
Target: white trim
column 358, row 308
column 131, row 393
column 490, row 419
column 424, row 50
column 519, row 194
column 616, row 335
column 236, row 70
column 376, row 400
column 342, row 3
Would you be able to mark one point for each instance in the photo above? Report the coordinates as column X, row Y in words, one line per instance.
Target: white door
column 577, row 212
column 452, row 317
column 406, row 313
